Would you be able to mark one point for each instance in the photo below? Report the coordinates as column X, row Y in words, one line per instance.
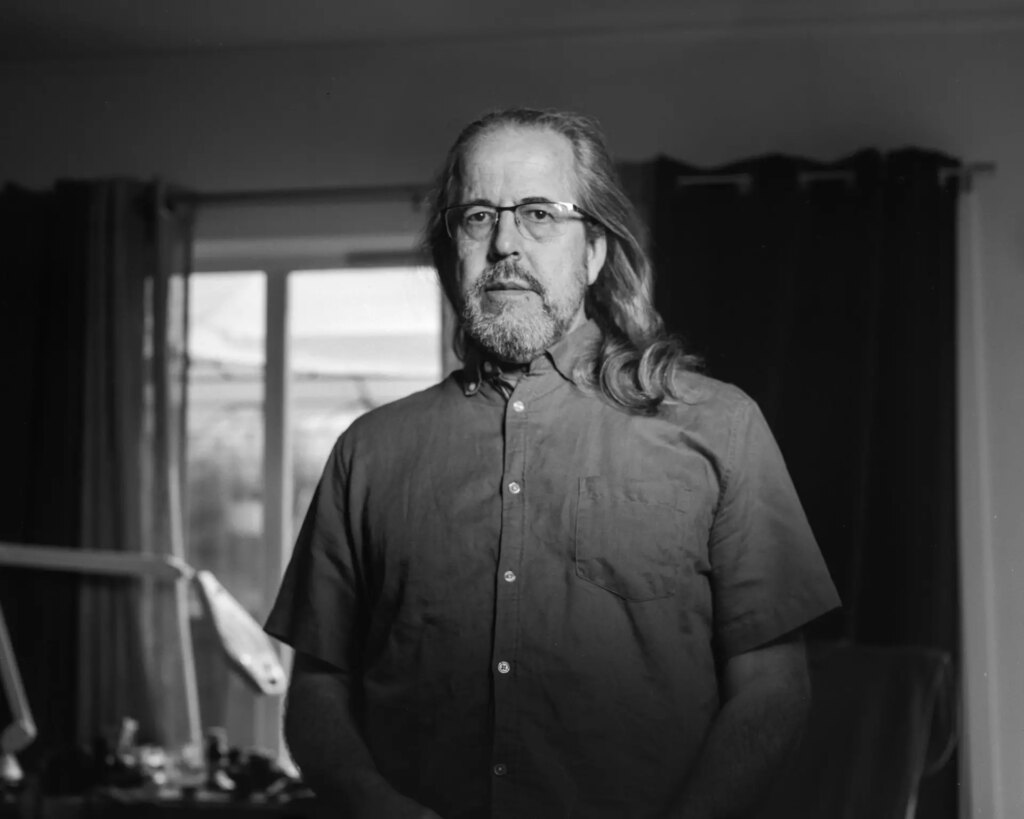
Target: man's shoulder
column 695, row 389
column 388, row 420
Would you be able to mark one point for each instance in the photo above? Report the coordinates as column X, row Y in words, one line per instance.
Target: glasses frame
column 500, row 209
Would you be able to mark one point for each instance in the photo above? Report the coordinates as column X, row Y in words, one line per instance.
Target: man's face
column 519, row 295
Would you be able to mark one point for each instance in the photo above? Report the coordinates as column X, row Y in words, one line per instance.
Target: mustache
column 506, row 272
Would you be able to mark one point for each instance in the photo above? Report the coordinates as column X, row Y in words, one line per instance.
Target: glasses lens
column 474, row 221
column 543, row 220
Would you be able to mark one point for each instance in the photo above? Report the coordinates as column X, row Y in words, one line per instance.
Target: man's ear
column 597, row 251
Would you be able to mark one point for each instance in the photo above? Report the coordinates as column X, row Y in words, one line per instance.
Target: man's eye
column 477, row 217
column 538, row 214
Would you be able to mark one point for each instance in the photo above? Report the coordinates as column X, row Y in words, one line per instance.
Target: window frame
column 277, row 258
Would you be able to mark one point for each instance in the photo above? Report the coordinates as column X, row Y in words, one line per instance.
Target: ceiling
column 95, row 28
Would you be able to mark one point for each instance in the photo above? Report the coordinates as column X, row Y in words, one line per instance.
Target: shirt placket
column 506, row 753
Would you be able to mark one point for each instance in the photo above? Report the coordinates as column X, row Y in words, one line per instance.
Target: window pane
column 359, row 338
column 227, row 318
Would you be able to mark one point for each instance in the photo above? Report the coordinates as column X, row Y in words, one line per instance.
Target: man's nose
column 506, row 237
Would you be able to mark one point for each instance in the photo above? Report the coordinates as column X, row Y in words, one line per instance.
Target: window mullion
column 277, row 476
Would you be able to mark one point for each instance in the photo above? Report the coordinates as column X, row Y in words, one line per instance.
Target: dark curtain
column 85, row 317
column 827, row 293
column 41, row 331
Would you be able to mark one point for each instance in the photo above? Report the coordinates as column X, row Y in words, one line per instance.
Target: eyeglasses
column 535, row 220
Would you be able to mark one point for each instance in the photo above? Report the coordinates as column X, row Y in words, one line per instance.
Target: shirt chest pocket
column 633, row 538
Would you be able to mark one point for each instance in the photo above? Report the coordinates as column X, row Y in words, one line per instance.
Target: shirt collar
column 563, row 354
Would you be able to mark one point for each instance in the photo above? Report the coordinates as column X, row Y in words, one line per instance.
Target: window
column 281, row 362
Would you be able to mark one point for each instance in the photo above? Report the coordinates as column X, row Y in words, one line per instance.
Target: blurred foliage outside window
column 358, row 339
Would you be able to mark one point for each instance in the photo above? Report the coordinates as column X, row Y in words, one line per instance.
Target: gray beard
column 516, row 333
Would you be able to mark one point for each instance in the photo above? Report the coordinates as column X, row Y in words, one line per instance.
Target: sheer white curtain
column 135, row 657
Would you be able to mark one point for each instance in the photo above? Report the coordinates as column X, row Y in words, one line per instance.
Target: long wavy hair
column 635, row 363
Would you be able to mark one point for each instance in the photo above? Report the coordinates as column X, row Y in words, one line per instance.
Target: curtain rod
column 415, row 193
column 745, row 181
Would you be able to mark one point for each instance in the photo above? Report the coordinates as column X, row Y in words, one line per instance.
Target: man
column 569, row 580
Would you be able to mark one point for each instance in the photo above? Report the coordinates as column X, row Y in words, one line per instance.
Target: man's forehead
column 520, row 162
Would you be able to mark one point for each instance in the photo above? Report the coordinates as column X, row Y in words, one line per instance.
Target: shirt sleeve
column 320, row 608
column 768, row 575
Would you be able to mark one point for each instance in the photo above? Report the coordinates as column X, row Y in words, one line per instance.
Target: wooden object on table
column 246, row 646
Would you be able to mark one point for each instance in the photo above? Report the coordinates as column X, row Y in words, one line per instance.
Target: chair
column 882, row 718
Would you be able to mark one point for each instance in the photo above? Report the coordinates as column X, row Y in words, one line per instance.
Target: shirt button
column 500, row 769
column 514, row 488
column 503, row 667
column 518, row 406
column 510, row 577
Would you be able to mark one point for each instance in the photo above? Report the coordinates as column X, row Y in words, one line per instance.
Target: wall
column 380, row 115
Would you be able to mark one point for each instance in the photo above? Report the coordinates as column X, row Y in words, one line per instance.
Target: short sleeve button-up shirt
column 534, row 586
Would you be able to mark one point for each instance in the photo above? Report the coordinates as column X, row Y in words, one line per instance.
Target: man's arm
column 766, row 698
column 325, row 742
